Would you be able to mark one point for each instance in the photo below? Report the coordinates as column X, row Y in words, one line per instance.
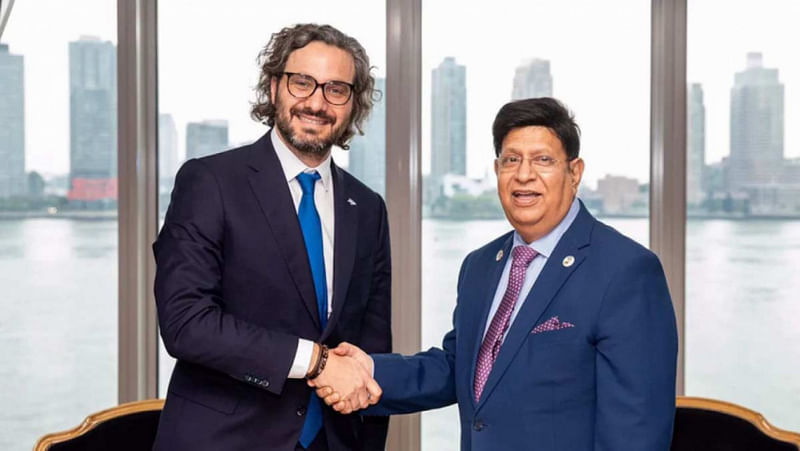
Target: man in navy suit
column 564, row 335
column 269, row 253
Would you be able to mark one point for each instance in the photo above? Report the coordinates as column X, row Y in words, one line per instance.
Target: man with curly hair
column 269, row 254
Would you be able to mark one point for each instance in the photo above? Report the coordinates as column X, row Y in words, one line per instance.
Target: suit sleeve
column 376, row 329
column 189, row 264
column 636, row 360
column 423, row 381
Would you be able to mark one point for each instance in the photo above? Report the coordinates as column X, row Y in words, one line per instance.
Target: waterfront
column 58, row 328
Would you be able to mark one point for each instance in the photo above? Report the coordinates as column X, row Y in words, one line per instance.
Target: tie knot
column 522, row 256
column 307, row 181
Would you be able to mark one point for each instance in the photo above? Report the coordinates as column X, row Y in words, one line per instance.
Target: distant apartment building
column 206, row 138
column 367, row 154
column 93, row 121
column 12, row 124
column 532, row 79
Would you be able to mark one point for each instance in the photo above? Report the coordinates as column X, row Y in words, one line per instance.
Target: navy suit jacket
column 234, row 292
column 606, row 383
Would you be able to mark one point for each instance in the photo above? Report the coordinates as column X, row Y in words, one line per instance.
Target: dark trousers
column 320, row 443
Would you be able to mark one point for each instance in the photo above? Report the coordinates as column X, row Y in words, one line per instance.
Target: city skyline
column 756, row 150
column 580, row 66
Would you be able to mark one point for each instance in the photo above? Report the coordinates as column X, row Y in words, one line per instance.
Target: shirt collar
column 292, row 166
column 545, row 245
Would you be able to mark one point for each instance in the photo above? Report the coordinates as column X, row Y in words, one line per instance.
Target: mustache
column 309, row 112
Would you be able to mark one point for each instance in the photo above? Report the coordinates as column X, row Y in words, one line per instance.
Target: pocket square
column 551, row 324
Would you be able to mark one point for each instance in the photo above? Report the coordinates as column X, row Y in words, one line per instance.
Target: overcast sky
column 599, row 53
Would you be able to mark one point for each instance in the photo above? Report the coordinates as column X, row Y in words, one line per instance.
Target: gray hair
column 272, row 60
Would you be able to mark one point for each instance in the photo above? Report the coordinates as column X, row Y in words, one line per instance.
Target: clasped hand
column 346, row 383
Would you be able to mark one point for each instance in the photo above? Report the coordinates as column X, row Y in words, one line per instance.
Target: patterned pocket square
column 550, row 325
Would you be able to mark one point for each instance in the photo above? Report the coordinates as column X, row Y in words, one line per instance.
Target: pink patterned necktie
column 522, row 256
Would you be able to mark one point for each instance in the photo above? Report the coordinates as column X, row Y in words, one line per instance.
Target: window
column 58, row 217
column 602, row 73
column 743, row 200
column 206, row 85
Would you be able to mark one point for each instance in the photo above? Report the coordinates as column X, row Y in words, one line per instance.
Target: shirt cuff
column 299, row 369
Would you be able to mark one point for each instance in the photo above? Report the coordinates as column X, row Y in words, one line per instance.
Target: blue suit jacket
column 608, row 383
column 234, row 292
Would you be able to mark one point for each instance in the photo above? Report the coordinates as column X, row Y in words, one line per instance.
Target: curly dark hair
column 272, row 60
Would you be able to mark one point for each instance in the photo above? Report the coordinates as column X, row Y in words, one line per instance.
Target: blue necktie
column 312, row 235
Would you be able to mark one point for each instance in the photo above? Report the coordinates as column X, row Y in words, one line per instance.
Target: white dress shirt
column 323, row 200
column 544, row 247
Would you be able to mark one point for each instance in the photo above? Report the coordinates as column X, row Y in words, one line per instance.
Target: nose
column 317, row 101
column 525, row 171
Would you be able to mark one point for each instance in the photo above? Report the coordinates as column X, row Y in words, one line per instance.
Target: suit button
column 264, row 384
column 478, row 425
column 301, row 411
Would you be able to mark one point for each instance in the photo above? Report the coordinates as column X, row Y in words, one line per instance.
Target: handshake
column 345, row 382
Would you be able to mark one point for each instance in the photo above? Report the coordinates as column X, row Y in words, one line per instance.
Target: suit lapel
column 345, row 211
column 574, row 242
column 495, row 269
column 272, row 193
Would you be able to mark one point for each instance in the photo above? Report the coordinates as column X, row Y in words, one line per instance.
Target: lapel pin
column 568, row 261
column 351, row 201
column 499, row 255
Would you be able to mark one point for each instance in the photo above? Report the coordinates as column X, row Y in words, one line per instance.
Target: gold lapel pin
column 568, row 261
column 499, row 255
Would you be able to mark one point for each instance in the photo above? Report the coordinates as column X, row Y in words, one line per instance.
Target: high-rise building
column 368, row 153
column 167, row 148
column 448, row 119
column 12, row 124
column 619, row 193
column 756, row 126
column 93, row 120
column 532, row 79
column 206, row 138
column 695, row 145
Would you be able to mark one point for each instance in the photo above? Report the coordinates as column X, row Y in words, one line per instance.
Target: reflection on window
column 743, row 197
column 58, row 218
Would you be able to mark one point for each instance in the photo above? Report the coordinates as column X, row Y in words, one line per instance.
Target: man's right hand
column 343, row 394
column 346, row 383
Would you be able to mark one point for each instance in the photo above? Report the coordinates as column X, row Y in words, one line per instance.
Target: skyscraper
column 167, row 149
column 695, row 145
column 449, row 119
column 532, row 79
column 12, row 124
column 756, row 126
column 93, row 120
column 368, row 153
column 206, row 138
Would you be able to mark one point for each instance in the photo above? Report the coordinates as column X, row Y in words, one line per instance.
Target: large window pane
column 593, row 56
column 58, row 217
column 206, row 84
column 743, row 195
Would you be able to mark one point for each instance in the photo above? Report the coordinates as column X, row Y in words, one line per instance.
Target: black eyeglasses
column 303, row 86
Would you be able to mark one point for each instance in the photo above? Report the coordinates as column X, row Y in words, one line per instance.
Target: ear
column 496, row 168
column 575, row 168
column 273, row 89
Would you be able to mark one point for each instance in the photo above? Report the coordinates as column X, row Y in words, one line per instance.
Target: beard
column 316, row 144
